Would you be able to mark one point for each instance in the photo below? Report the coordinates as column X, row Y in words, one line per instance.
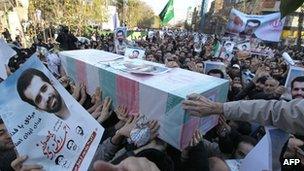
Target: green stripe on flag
column 172, row 101
column 217, row 49
column 167, row 13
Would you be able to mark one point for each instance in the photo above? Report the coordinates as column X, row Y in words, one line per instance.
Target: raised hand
column 96, row 97
column 18, row 165
column 64, row 81
column 200, row 106
column 75, row 91
column 280, row 90
column 196, row 138
column 96, row 113
column 223, row 127
column 105, row 112
column 122, row 113
column 154, row 127
column 83, row 93
column 127, row 128
column 96, row 100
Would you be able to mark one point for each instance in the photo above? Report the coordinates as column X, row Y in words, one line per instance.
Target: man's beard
column 6, row 146
column 120, row 40
column 298, row 96
column 58, row 103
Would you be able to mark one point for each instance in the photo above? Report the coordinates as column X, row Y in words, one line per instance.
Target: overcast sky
column 180, row 6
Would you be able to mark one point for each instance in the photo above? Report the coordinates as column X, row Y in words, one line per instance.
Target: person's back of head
column 217, row 164
column 243, row 127
column 161, row 159
column 216, row 73
column 262, row 79
column 245, row 145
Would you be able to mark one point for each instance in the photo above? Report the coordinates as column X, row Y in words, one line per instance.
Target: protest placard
column 265, row 27
column 226, row 56
column 122, row 30
column 6, row 52
column 45, row 122
column 234, row 164
column 120, row 41
column 270, row 146
column 197, row 46
column 229, row 45
column 243, row 46
column 210, row 65
column 134, row 53
column 293, row 73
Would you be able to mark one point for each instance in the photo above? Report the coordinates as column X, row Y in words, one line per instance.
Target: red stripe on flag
column 127, row 93
column 187, row 132
column 81, row 74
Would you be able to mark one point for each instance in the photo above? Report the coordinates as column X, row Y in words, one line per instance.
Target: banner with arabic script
column 45, row 122
column 265, row 27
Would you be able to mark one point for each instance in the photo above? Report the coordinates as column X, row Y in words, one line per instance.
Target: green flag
column 216, row 49
column 167, row 13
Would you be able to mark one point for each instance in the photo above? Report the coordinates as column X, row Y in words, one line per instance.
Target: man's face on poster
column 135, row 54
column 228, row 45
column 44, row 95
column 61, row 161
column 227, row 56
column 71, row 145
column 79, row 130
column 251, row 26
column 244, row 47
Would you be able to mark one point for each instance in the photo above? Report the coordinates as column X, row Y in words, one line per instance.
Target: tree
column 300, row 26
column 136, row 13
column 289, row 6
column 73, row 13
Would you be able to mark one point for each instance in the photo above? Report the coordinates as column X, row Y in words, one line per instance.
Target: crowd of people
column 240, row 126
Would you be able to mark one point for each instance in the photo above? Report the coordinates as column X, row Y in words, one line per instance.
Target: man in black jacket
column 7, row 152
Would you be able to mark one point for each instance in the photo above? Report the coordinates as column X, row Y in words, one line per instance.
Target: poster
column 120, row 41
column 226, row 56
column 244, row 46
column 45, row 122
column 266, row 154
column 6, row 52
column 197, row 47
column 234, row 164
column 122, row 30
column 138, row 67
column 265, row 27
column 134, row 53
column 209, row 65
column 293, row 73
column 229, row 45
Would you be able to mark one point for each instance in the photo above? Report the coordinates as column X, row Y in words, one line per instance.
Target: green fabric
column 167, row 13
column 217, row 49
